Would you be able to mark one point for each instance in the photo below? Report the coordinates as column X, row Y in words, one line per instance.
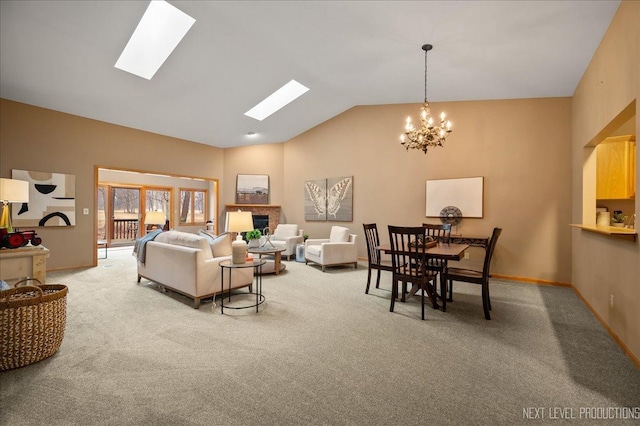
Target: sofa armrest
column 315, row 242
column 292, row 242
column 339, row 253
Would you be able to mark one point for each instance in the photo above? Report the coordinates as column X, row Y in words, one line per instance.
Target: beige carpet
column 319, row 352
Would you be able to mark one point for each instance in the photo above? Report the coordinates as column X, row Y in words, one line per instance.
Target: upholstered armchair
column 287, row 236
column 340, row 248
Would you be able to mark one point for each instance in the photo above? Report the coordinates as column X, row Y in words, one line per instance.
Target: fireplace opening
column 260, row 221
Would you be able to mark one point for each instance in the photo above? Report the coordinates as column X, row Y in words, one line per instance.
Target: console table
column 23, row 262
column 472, row 240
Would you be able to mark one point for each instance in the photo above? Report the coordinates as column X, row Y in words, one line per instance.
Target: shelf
column 612, row 231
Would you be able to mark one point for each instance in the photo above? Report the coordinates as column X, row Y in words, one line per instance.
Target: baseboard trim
column 531, row 280
column 609, row 330
column 606, row 326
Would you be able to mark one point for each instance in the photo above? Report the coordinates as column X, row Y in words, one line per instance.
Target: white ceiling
column 61, row 55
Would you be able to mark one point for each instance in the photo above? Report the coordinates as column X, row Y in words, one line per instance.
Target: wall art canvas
column 464, row 195
column 329, row 199
column 52, row 200
column 252, row 189
column 315, row 202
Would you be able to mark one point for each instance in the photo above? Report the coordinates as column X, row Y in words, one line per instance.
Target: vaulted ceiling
column 61, row 55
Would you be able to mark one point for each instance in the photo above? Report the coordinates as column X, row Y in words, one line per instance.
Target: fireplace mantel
column 270, row 210
column 250, row 206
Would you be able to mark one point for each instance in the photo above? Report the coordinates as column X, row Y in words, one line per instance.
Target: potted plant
column 618, row 220
column 253, row 237
column 305, row 237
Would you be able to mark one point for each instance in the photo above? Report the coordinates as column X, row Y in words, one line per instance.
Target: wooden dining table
column 443, row 251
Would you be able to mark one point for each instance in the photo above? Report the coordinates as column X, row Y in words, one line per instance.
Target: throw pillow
column 220, row 244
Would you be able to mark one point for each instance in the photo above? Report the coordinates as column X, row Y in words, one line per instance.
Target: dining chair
column 374, row 256
column 408, row 260
column 442, row 234
column 477, row 277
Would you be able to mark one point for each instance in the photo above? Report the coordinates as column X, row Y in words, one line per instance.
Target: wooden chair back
column 440, row 232
column 407, row 257
column 373, row 241
column 489, row 254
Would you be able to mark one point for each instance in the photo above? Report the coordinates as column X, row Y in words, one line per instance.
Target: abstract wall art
column 329, row 199
column 52, row 200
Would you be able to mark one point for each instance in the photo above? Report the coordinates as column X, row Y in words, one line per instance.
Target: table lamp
column 11, row 191
column 239, row 222
column 155, row 217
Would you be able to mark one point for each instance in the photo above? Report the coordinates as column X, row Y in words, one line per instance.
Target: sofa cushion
column 284, row 231
column 185, row 239
column 220, row 244
column 339, row 234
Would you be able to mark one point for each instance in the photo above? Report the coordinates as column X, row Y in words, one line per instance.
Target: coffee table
column 271, row 267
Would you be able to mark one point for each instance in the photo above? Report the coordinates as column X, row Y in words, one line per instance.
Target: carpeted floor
column 320, row 352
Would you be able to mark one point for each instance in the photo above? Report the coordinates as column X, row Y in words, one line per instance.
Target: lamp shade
column 14, row 191
column 239, row 221
column 154, row 218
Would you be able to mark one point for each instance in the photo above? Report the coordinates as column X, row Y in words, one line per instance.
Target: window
column 193, row 206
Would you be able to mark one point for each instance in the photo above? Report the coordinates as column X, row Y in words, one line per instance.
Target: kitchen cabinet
column 616, row 168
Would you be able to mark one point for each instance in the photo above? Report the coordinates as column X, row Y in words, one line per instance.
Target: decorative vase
column 618, row 224
column 239, row 251
column 254, row 243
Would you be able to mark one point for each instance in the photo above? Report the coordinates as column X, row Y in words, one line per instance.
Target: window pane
column 199, row 207
column 185, row 206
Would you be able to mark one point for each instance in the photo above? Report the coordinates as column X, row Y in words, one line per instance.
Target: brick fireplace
column 259, row 209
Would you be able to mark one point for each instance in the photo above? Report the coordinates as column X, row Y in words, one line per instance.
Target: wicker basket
column 32, row 323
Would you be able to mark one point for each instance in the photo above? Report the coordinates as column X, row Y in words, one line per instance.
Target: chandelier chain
column 426, row 53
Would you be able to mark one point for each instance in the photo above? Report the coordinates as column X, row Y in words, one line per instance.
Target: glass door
column 103, row 213
column 125, row 215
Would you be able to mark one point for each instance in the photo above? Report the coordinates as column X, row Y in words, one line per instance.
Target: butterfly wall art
column 329, row 199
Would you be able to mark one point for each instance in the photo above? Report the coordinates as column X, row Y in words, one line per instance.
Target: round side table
column 229, row 266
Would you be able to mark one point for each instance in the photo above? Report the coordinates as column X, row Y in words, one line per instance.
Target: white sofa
column 340, row 248
column 287, row 236
column 189, row 264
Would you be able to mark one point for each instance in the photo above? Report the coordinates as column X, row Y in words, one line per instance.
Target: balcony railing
column 124, row 229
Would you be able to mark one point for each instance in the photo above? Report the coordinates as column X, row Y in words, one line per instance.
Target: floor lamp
column 11, row 191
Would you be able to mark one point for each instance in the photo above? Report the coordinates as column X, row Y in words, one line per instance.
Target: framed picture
column 329, row 199
column 463, row 196
column 252, row 189
column 52, row 200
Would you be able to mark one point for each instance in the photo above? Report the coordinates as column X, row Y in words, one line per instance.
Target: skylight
column 278, row 99
column 159, row 31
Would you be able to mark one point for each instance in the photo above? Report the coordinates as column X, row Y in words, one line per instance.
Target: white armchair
column 287, row 236
column 340, row 248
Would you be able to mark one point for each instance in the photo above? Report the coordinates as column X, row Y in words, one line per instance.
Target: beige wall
column 603, row 266
column 38, row 139
column 527, row 180
column 521, row 147
column 254, row 160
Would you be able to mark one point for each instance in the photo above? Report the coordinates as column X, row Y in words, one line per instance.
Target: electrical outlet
column 611, row 300
column 467, row 255
column 85, row 211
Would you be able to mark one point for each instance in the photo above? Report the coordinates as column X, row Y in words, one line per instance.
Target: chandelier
column 429, row 134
